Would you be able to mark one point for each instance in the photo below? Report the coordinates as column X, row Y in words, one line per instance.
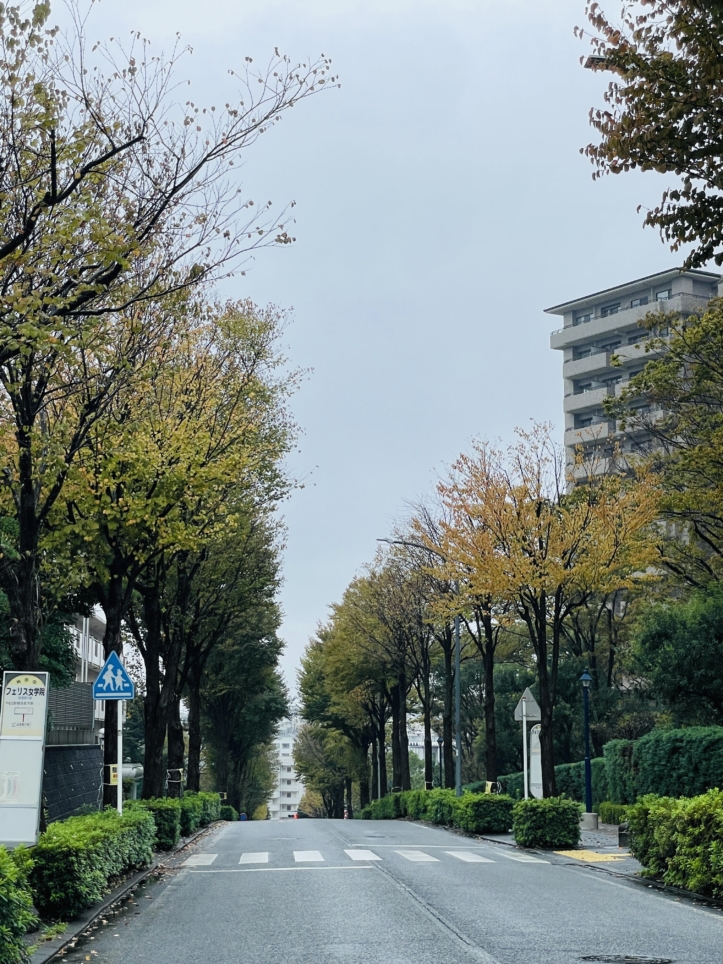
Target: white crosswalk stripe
column 469, row 857
column 522, row 858
column 307, row 856
column 199, row 860
column 417, row 856
column 362, row 855
column 260, row 858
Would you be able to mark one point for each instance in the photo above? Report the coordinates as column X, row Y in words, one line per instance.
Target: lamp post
column 457, row 661
column 589, row 818
column 440, row 741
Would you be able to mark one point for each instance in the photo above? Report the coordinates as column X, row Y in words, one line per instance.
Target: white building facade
column 289, row 789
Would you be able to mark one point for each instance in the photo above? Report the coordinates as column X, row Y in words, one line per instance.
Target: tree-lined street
column 395, row 893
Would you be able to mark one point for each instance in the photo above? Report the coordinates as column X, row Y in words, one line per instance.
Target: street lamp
column 440, row 741
column 586, row 680
column 457, row 660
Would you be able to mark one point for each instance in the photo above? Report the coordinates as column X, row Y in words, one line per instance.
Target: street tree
column 514, row 533
column 664, row 112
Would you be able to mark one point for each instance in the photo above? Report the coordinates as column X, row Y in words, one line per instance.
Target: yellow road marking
column 589, row 856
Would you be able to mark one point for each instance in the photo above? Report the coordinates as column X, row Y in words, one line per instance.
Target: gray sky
column 442, row 205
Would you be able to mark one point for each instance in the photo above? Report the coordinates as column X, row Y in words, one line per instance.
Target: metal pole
column 119, row 788
column 439, row 747
column 588, row 770
column 524, row 745
column 458, row 707
column 380, row 754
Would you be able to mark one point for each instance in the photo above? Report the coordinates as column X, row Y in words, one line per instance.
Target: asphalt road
column 383, row 892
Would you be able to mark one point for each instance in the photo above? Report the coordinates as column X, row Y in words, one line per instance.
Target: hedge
column 570, row 780
column 191, row 813
column 16, row 908
column 76, row 858
column 210, row 806
column 228, row 813
column 474, row 812
column 615, row 813
column 677, row 763
column 167, row 816
column 550, row 823
column 680, row 841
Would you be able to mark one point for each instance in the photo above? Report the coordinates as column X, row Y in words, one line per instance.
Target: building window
column 583, row 421
column 663, row 295
column 578, row 353
column 284, row 746
column 635, row 338
column 609, row 346
column 581, row 387
column 636, row 302
column 607, row 310
column 288, row 769
column 582, row 318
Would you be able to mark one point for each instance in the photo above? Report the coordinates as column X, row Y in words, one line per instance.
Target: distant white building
column 289, row 789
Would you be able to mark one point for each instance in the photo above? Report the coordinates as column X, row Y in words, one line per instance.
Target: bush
column 167, row 816
column 570, row 780
column 612, row 812
column 228, row 813
column 483, row 813
column 618, row 756
column 210, row 807
column 74, row 859
column 550, row 823
column 191, row 813
column 16, row 913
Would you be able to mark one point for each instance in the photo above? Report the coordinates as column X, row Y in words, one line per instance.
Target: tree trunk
column 382, row 760
column 113, row 608
column 406, row 783
column 447, row 717
column 375, row 768
column 396, row 740
column 193, row 776
column 176, row 750
column 490, row 722
column 349, row 803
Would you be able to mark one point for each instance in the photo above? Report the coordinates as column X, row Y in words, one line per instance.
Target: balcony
column 583, row 400
column 593, row 433
column 597, row 362
column 579, row 334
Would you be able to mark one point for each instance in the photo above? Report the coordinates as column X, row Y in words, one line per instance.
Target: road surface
column 393, row 892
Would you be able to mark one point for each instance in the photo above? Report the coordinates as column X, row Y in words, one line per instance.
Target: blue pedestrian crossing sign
column 113, row 681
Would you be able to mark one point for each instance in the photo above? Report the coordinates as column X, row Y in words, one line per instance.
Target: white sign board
column 535, row 762
column 23, row 717
column 532, row 710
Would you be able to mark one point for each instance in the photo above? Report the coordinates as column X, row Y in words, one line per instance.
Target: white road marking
column 260, row 858
column 417, row 856
column 280, row 870
column 302, row 856
column 469, row 857
column 362, row 855
column 199, row 860
column 522, row 858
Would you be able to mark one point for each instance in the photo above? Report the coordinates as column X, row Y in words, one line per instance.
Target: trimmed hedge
column 550, row 823
column 210, row 806
column 614, row 813
column 474, row 812
column 191, row 813
column 681, row 841
column 16, row 908
column 228, row 813
column 570, row 779
column 167, row 816
column 76, row 858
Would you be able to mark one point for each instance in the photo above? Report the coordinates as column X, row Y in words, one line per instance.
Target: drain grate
column 626, row 959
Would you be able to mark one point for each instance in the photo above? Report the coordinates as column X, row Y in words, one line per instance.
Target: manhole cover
column 626, row 959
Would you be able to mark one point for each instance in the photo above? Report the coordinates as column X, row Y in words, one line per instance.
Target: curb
column 77, row 927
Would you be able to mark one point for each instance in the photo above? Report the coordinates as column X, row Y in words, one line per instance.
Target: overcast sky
column 442, row 204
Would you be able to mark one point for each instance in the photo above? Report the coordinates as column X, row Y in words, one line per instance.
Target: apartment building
column 602, row 326
column 289, row 788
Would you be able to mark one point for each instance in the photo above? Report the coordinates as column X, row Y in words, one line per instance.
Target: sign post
column 114, row 683
column 23, row 719
column 526, row 709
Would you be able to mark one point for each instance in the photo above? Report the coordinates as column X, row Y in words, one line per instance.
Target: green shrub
column 167, row 816
column 513, row 785
column 16, row 910
column 191, row 813
column 75, row 858
column 228, row 813
column 679, row 763
column 415, row 803
column 618, row 756
column 211, row 807
column 483, row 813
column 439, row 806
column 550, row 823
column 570, row 780
column 612, row 812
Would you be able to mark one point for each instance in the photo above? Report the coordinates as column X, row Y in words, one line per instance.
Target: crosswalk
column 363, row 856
